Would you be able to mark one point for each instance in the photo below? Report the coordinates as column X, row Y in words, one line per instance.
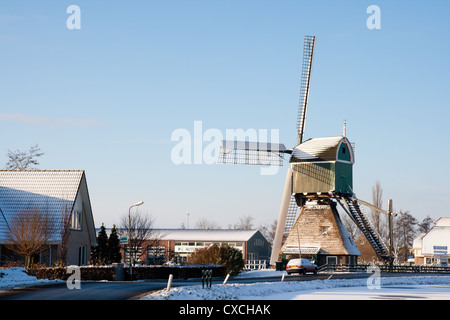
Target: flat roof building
column 177, row 244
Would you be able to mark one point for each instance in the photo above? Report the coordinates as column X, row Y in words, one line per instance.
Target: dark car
column 301, row 266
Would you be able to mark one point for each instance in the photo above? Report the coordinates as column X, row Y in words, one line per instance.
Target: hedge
column 139, row 272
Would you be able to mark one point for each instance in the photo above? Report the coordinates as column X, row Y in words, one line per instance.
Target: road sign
column 440, row 252
column 123, row 240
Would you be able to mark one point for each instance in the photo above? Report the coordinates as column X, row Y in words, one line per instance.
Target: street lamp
column 129, row 236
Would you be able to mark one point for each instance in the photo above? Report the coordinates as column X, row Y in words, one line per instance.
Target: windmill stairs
column 363, row 223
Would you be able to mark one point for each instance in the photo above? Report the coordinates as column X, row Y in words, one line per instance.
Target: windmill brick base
column 321, row 235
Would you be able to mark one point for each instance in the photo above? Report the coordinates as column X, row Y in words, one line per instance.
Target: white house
column 431, row 248
column 58, row 193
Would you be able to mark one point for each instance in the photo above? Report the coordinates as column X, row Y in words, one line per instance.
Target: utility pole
column 298, row 239
column 391, row 233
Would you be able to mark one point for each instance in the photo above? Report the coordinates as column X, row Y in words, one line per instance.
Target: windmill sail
column 291, row 216
column 308, row 51
column 256, row 153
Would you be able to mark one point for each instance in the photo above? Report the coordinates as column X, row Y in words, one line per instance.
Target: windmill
column 320, row 171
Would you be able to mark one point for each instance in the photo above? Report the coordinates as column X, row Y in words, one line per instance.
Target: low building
column 182, row 243
column 176, row 245
column 63, row 196
column 431, row 248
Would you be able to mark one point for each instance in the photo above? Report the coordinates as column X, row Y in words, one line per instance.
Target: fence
column 255, row 265
column 383, row 268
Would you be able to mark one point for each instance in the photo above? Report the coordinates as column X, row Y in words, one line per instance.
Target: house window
column 82, row 255
column 156, row 254
column 331, row 260
column 324, row 231
column 75, row 220
column 258, row 243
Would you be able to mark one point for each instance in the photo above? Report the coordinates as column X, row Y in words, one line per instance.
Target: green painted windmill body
column 321, row 165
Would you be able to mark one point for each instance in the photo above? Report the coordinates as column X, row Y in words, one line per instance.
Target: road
column 102, row 290
column 117, row 290
column 124, row 290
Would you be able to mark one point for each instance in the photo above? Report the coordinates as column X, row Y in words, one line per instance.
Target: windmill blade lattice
column 308, row 51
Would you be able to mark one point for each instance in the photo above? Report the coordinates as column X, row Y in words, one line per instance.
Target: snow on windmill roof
column 320, row 149
column 44, row 190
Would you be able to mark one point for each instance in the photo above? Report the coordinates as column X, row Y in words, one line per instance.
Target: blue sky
column 107, row 97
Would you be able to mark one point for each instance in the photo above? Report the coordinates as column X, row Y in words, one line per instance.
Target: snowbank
column 18, row 276
column 266, row 289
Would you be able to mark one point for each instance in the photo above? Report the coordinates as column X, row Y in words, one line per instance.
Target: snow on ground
column 15, row 277
column 410, row 287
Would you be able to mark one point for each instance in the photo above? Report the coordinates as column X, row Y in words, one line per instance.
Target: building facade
column 175, row 245
column 431, row 248
column 62, row 196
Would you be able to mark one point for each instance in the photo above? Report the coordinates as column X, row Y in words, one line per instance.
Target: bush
column 229, row 257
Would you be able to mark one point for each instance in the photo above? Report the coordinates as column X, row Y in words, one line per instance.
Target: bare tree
column 204, row 223
column 141, row 232
column 377, row 201
column 64, row 229
column 268, row 231
column 30, row 232
column 245, row 223
column 23, row 160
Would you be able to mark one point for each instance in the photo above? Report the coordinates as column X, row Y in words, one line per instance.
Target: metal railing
column 255, row 265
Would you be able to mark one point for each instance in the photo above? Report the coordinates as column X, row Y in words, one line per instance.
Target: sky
column 108, row 96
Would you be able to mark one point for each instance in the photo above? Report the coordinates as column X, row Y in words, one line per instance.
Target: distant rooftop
column 202, row 234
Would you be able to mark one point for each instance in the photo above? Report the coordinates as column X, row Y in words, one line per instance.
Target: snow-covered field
column 411, row 287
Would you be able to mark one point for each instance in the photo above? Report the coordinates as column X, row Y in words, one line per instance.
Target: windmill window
column 343, row 150
column 324, row 231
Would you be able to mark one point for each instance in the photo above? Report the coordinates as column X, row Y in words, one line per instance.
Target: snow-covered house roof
column 203, row 235
column 49, row 191
column 443, row 222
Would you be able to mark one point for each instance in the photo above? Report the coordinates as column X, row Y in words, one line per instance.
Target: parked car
column 301, row 266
